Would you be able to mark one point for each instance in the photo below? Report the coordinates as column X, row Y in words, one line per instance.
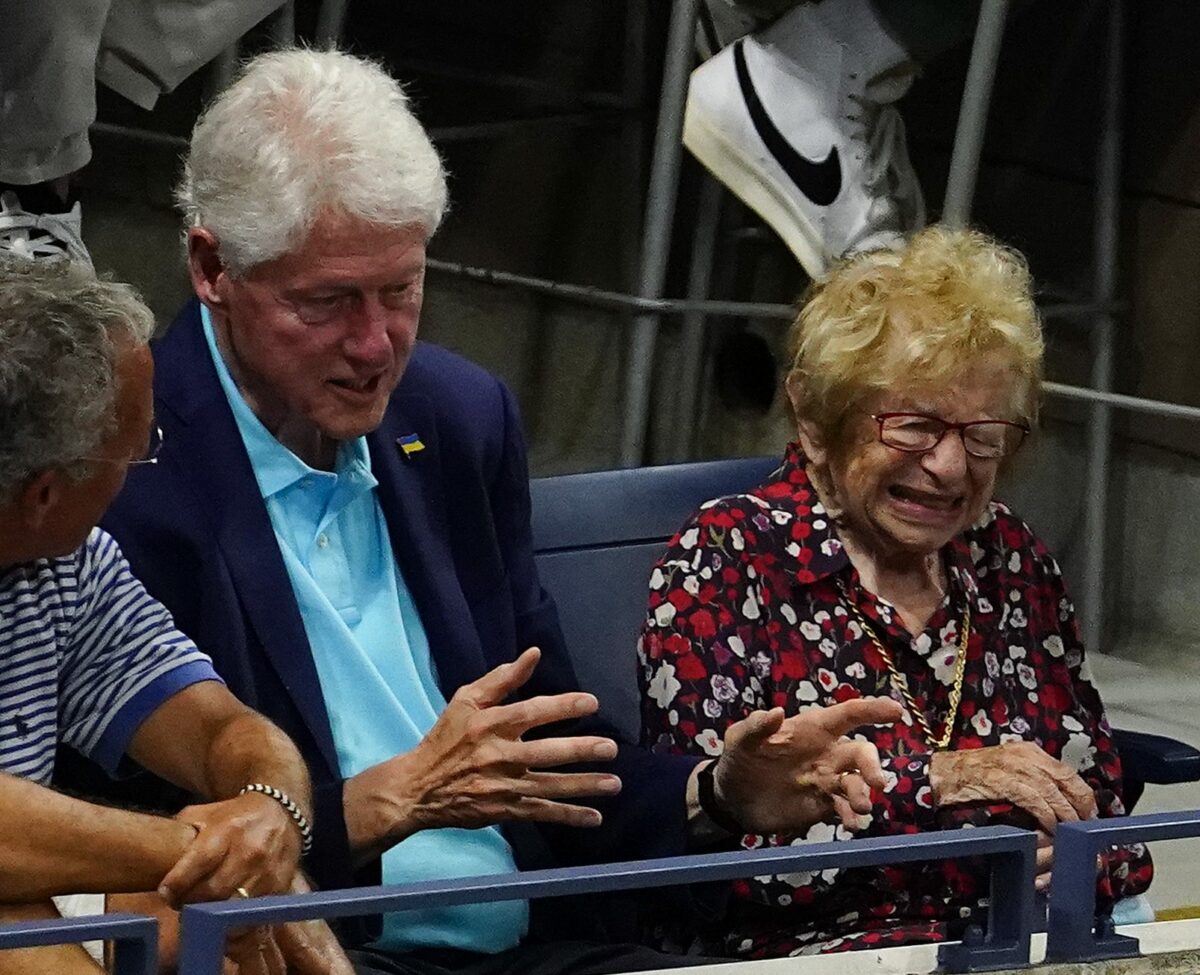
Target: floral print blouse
column 748, row 611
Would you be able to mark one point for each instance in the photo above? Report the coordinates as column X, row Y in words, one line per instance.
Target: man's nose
column 368, row 338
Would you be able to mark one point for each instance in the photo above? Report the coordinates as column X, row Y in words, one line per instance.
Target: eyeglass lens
column 984, row 439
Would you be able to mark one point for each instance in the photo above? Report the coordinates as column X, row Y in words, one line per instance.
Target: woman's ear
column 812, row 442
column 812, row 438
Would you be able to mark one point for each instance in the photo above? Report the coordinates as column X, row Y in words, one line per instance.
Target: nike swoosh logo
column 819, row 181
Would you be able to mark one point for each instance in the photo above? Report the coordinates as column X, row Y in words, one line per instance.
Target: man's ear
column 36, row 501
column 205, row 267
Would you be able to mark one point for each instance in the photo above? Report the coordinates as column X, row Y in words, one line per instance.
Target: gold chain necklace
column 900, row 682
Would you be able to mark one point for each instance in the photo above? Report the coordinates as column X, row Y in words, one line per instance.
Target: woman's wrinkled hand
column 1015, row 772
column 780, row 774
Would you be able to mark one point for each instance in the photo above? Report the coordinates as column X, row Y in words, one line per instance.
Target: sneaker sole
column 755, row 188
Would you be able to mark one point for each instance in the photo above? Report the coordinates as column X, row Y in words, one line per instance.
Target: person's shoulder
column 1000, row 532
column 471, row 405
column 62, row 580
column 734, row 523
column 180, row 337
column 437, row 371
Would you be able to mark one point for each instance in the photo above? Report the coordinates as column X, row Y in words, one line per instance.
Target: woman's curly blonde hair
column 915, row 318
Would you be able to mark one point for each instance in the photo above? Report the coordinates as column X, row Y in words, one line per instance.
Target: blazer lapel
column 220, row 474
column 413, row 499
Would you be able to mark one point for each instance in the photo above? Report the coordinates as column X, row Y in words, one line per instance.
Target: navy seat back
column 596, row 538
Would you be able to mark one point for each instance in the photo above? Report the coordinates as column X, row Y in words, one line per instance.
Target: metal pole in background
column 973, row 113
column 694, row 324
column 633, row 141
column 221, row 70
column 1104, row 285
column 656, row 232
column 331, row 19
column 283, row 25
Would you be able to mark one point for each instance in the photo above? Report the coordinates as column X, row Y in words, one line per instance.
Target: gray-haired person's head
column 60, row 330
column 300, row 132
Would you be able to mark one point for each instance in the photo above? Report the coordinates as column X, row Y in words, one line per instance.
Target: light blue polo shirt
column 372, row 658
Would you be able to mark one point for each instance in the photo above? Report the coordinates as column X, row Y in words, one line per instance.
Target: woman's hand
column 780, row 774
column 1016, row 772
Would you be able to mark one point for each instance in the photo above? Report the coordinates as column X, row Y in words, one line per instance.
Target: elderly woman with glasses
column 874, row 561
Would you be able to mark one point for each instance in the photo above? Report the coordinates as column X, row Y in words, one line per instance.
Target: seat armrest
column 1156, row 759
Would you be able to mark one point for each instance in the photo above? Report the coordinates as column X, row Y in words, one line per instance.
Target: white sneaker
column 41, row 236
column 721, row 22
column 797, row 122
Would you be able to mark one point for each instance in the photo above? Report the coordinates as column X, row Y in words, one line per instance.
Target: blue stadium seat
column 596, row 537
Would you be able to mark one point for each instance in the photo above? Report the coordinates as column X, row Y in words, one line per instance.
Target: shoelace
column 898, row 168
column 874, row 134
column 36, row 236
column 897, row 203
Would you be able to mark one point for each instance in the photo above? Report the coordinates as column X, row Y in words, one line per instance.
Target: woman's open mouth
column 926, row 504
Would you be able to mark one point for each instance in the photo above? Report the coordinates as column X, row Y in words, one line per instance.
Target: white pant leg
column 82, row 905
column 47, row 86
column 150, row 46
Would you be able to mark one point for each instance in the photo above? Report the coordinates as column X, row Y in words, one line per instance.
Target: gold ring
column 242, row 892
column 842, row 778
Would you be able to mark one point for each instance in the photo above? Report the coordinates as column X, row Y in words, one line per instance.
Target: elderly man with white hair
column 341, row 518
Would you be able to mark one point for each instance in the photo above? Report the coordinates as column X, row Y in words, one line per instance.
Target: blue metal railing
column 135, row 937
column 1074, row 934
column 1005, row 944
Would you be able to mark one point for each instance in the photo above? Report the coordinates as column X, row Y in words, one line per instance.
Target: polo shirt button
column 322, row 540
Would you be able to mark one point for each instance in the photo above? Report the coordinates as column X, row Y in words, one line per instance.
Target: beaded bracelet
column 301, row 821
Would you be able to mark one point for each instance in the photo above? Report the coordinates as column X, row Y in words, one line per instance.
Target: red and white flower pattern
column 745, row 613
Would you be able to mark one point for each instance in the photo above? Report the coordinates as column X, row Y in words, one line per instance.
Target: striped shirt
column 86, row 655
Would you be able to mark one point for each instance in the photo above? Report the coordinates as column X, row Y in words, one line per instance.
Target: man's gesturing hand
column 473, row 768
column 1016, row 772
column 248, row 842
column 781, row 775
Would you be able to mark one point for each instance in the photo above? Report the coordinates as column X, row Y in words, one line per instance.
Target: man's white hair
column 299, row 132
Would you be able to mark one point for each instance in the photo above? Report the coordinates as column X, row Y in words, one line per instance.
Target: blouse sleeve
column 696, row 673
column 1077, row 732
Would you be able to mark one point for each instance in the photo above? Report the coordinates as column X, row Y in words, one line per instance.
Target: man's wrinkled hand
column 1015, row 772
column 782, row 775
column 310, row 948
column 248, row 842
column 475, row 769
column 253, row 951
column 1045, row 861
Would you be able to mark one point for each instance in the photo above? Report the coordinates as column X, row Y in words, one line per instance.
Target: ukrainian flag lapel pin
column 410, row 443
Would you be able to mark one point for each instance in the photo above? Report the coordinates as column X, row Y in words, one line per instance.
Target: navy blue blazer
column 196, row 531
